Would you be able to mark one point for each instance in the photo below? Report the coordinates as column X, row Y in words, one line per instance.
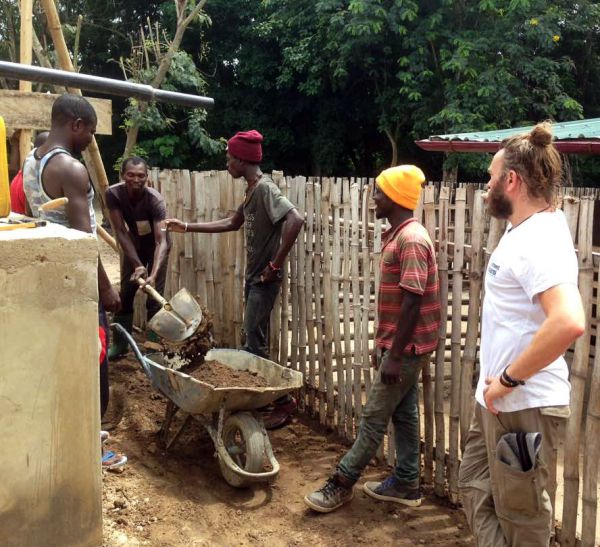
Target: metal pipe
column 101, row 85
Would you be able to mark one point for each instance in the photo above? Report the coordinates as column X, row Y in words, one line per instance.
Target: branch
column 76, row 45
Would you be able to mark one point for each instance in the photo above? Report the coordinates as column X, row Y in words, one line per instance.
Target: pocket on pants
column 519, row 492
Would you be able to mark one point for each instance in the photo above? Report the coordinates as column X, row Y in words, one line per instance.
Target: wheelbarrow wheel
column 243, row 440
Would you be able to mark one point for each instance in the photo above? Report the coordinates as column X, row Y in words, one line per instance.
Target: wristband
column 185, row 228
column 509, row 381
column 273, row 267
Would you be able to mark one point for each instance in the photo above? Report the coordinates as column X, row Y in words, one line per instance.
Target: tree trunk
column 165, row 63
column 393, row 138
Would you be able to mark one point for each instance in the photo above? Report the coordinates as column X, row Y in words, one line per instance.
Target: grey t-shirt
column 264, row 209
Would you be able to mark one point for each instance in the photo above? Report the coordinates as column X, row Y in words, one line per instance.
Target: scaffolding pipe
column 101, row 85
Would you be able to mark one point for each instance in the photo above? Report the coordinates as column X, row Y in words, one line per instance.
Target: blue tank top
column 33, row 170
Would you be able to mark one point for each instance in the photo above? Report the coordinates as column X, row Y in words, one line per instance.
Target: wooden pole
column 366, row 292
column 440, row 419
column 284, row 340
column 311, row 284
column 356, row 298
column 199, row 243
column 91, row 155
column 475, row 283
column 25, row 58
column 318, row 260
column 579, row 368
column 592, row 449
column 346, row 307
column 294, row 338
column 335, row 305
column 456, row 335
column 328, row 187
column 428, row 197
column 377, row 246
column 275, row 319
column 301, row 272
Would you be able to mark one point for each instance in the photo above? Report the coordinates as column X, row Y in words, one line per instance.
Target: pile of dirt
column 219, row 375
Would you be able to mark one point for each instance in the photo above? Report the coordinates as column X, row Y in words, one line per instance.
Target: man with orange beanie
column 407, row 331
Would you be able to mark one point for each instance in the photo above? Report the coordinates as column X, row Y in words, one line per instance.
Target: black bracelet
column 509, row 381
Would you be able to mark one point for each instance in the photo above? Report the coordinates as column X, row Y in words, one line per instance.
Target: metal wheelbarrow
column 228, row 413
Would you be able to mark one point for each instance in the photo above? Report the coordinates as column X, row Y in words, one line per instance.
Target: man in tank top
column 50, row 172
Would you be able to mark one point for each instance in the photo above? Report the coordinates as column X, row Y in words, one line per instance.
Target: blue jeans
column 400, row 403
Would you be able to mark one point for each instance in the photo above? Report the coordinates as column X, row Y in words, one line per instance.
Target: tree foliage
column 345, row 86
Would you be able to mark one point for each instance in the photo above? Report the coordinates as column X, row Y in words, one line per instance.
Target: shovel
column 178, row 318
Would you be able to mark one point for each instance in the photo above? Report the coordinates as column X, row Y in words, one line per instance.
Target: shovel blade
column 180, row 323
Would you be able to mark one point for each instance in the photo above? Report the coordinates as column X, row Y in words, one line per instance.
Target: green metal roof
column 580, row 129
column 577, row 137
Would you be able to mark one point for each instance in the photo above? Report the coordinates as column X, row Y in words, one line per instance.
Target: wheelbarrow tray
column 196, row 397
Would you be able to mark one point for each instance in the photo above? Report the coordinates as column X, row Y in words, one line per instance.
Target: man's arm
column 124, row 239
column 75, row 188
column 230, row 224
column 407, row 322
column 292, row 224
column 564, row 323
column 14, row 162
column 161, row 251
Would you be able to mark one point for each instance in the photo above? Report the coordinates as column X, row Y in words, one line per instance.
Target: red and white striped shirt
column 408, row 264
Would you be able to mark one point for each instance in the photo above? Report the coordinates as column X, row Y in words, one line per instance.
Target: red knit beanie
column 246, row 145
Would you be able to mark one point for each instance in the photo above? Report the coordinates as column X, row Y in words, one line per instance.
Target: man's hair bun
column 541, row 134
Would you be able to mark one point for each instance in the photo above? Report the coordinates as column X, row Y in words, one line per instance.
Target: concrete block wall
column 51, row 483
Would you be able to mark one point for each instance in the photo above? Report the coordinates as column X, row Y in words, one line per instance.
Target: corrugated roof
column 577, row 137
column 580, row 129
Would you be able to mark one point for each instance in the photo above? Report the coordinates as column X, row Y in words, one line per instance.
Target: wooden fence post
column 456, row 336
column 475, row 296
column 579, row 369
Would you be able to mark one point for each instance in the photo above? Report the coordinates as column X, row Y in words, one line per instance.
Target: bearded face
column 498, row 204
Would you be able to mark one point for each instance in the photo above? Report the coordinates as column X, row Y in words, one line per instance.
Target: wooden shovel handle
column 151, row 291
column 107, row 237
column 53, row 204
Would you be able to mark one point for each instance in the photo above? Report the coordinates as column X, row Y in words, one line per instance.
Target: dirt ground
column 178, row 498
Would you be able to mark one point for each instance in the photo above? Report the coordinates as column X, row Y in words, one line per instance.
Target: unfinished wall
column 50, row 491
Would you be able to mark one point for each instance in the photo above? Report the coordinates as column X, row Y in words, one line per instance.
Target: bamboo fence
column 324, row 318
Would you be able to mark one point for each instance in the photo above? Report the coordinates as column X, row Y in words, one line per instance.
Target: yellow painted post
column 4, row 190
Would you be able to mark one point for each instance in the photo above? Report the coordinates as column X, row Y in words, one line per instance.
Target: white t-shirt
column 534, row 257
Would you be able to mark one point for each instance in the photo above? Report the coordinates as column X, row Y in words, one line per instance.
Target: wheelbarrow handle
column 151, row 291
column 134, row 347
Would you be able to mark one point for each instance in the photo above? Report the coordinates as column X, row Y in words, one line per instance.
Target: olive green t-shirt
column 264, row 209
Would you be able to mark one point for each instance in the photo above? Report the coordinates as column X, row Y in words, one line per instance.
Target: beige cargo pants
column 504, row 506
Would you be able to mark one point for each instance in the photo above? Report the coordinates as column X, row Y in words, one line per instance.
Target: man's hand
column 139, row 272
column 391, row 370
column 494, row 390
column 175, row 225
column 150, row 280
column 269, row 275
column 110, row 299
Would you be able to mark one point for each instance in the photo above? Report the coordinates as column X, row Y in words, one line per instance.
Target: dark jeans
column 400, row 403
column 104, row 391
column 129, row 288
column 259, row 299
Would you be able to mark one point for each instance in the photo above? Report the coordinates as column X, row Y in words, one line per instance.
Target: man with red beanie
column 272, row 224
column 408, row 321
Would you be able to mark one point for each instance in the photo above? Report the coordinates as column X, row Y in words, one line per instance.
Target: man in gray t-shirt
column 272, row 224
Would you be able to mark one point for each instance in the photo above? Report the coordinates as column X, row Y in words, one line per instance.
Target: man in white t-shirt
column 532, row 312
